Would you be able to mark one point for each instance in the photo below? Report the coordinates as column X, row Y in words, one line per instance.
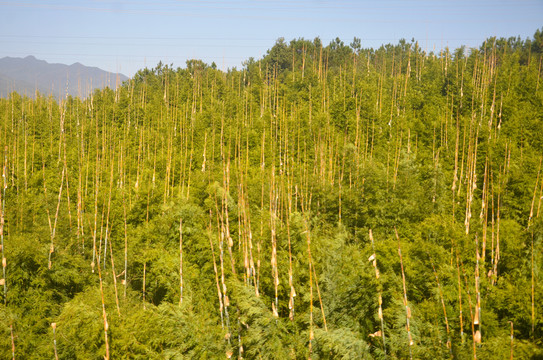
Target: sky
column 128, row 35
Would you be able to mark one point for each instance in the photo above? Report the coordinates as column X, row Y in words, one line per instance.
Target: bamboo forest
column 321, row 202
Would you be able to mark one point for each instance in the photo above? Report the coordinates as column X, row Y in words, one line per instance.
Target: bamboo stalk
column 104, row 313
column 320, row 298
column 449, row 343
column 54, row 326
column 535, row 193
column 373, row 259
column 540, row 199
column 2, row 226
column 226, row 301
column 124, row 282
column 181, row 261
column 67, row 187
column 273, row 219
column 96, row 189
column 80, row 206
column 52, row 247
column 249, row 236
column 292, row 293
column 114, row 278
column 12, row 341
column 460, row 314
column 243, row 245
column 511, row 357
column 310, row 264
column 470, row 311
column 262, row 172
column 144, row 282
column 455, row 176
column 484, row 208
column 477, row 320
column 108, row 230
column 221, row 307
column 407, row 310
column 533, row 286
column 226, row 220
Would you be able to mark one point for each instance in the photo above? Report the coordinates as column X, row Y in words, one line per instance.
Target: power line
column 154, row 38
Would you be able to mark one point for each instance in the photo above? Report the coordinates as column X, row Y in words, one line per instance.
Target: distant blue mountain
column 26, row 75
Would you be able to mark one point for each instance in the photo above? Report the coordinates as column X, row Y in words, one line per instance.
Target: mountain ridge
column 30, row 74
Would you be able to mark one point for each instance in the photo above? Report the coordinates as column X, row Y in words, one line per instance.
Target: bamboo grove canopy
column 324, row 201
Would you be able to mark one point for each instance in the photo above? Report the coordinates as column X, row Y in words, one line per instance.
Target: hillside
column 26, row 75
column 324, row 201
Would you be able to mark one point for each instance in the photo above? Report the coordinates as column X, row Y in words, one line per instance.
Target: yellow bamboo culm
column 373, row 260
column 511, row 357
column 320, row 299
column 12, row 342
column 104, row 313
column 114, row 278
column 54, row 326
column 219, row 293
column 533, row 286
column 310, row 264
column 407, row 309
column 292, row 294
column 2, row 223
column 180, row 261
column 477, row 337
column 449, row 343
column 54, row 226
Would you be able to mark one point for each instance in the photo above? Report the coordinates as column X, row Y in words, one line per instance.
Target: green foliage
column 278, row 171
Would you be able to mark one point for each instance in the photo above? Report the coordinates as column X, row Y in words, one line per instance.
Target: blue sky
column 128, row 35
